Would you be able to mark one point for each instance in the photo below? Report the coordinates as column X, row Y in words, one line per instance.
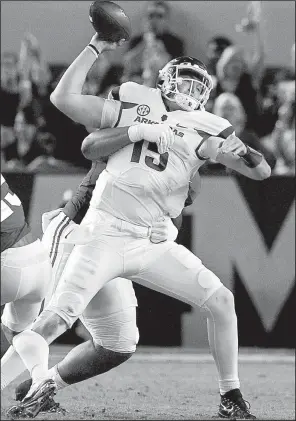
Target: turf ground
column 173, row 384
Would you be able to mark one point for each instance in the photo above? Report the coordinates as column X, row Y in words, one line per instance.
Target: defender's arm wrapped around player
column 108, row 141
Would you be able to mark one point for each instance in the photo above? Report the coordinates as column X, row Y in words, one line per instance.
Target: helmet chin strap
column 185, row 102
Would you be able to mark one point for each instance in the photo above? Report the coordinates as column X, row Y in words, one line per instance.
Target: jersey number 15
column 163, row 158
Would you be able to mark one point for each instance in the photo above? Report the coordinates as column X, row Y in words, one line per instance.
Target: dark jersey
column 13, row 222
column 78, row 205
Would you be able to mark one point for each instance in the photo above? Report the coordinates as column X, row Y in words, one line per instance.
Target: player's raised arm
column 234, row 154
column 67, row 96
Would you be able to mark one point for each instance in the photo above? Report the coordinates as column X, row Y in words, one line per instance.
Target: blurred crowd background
column 258, row 99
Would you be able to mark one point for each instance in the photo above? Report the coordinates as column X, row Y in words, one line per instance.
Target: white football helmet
column 175, row 83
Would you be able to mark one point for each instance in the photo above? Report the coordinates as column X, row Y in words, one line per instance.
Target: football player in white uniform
column 25, row 278
column 157, row 141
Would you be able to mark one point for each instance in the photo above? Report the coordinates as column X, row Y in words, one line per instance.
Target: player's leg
column 54, row 243
column 89, row 358
column 80, row 281
column 172, row 269
column 111, row 320
column 88, row 268
column 25, row 275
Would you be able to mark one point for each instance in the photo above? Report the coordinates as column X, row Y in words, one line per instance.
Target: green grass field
column 170, row 384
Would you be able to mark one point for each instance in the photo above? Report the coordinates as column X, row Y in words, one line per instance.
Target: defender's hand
column 159, row 231
column 102, row 46
column 161, row 134
column 163, row 230
column 234, row 146
column 47, row 217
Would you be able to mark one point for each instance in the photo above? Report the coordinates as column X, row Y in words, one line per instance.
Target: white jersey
column 139, row 185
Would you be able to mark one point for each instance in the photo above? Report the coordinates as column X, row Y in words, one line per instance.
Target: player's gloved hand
column 102, row 46
column 159, row 231
column 47, row 217
column 234, row 146
column 161, row 134
column 81, row 234
column 163, row 230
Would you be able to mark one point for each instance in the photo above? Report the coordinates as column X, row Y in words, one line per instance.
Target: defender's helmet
column 177, row 85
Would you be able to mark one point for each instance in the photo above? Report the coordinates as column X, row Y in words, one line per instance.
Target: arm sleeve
column 77, row 206
column 110, row 114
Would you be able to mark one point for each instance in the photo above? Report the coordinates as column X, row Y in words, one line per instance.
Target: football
column 109, row 21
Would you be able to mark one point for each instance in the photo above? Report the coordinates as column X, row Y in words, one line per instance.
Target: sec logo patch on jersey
column 143, row 110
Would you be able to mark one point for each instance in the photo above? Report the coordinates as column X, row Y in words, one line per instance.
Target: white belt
column 128, row 227
column 99, row 221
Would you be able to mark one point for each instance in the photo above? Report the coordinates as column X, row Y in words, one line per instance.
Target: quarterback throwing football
column 155, row 141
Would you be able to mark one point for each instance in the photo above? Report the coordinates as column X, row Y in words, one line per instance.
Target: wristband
column 252, row 158
column 93, row 49
column 134, row 133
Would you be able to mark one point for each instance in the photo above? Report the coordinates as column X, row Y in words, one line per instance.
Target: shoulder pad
column 212, row 124
column 133, row 92
column 126, row 89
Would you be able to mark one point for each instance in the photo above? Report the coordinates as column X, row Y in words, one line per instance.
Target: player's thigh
column 24, row 270
column 115, row 296
column 10, row 278
column 111, row 316
column 174, row 270
column 29, row 272
column 55, row 241
column 87, row 270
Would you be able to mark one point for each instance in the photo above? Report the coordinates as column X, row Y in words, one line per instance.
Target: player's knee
column 117, row 332
column 208, row 280
column 49, row 325
column 225, row 298
column 209, row 284
column 221, row 303
column 38, row 295
column 68, row 305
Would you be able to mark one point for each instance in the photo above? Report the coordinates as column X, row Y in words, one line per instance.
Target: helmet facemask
column 186, row 85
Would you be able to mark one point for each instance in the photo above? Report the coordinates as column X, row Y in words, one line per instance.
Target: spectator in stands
column 215, row 48
column 276, row 85
column 242, row 77
column 155, row 46
column 94, row 79
column 35, row 70
column 281, row 141
column 228, row 106
column 233, row 76
column 24, row 81
column 15, row 94
column 67, row 133
column 113, row 77
column 44, row 149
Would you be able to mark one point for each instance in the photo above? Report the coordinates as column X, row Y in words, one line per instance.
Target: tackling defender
column 25, row 278
column 139, row 186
